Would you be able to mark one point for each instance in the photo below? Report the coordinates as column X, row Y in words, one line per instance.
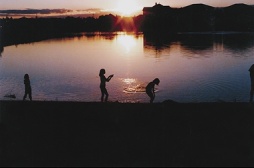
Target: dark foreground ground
column 115, row 134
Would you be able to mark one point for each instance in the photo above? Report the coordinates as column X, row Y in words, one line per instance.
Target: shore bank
column 122, row 134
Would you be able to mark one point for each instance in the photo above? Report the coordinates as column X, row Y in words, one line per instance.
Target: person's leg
column 251, row 91
column 152, row 99
column 106, row 93
column 150, row 94
column 102, row 94
column 24, row 98
column 30, row 96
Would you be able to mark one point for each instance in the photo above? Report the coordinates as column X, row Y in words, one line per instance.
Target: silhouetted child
column 103, row 84
column 150, row 89
column 252, row 82
column 28, row 89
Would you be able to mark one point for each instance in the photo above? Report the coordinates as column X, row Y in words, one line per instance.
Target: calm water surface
column 191, row 67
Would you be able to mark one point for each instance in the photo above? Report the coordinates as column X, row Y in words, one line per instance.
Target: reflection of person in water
column 150, row 89
column 252, row 82
column 103, row 84
column 28, row 89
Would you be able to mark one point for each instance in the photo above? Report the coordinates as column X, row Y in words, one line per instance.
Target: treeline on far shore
column 193, row 18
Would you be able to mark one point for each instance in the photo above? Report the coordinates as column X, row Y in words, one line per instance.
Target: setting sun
column 127, row 7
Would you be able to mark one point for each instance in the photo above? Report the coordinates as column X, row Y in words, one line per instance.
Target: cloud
column 95, row 12
column 35, row 11
column 91, row 10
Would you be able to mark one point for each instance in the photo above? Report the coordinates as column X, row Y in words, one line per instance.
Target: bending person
column 150, row 89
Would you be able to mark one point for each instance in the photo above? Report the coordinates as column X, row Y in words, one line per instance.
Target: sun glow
column 128, row 7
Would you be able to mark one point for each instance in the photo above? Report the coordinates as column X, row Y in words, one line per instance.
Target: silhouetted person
column 252, row 82
column 150, row 89
column 103, row 84
column 28, row 90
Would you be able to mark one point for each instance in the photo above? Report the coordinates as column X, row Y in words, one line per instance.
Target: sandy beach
column 120, row 134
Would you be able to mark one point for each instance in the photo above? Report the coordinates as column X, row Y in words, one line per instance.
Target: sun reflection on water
column 129, row 81
column 133, row 86
column 127, row 42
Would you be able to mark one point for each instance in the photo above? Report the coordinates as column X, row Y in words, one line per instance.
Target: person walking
column 28, row 90
column 252, row 82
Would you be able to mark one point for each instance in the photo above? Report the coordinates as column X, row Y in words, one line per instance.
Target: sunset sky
column 122, row 7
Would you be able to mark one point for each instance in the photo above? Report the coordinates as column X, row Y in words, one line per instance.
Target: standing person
column 150, row 89
column 28, row 89
column 103, row 84
column 252, row 82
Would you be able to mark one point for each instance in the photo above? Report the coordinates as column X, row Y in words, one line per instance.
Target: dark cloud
column 91, row 12
column 35, row 11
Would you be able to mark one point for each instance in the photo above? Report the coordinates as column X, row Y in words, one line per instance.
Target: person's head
column 102, row 72
column 156, row 81
column 26, row 76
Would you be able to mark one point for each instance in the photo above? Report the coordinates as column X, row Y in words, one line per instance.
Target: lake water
column 191, row 67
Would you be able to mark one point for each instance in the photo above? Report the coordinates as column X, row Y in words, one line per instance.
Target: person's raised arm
column 109, row 78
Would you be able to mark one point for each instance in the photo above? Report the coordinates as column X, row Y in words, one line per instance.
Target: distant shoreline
column 67, row 35
column 217, row 32
column 158, row 19
column 42, row 13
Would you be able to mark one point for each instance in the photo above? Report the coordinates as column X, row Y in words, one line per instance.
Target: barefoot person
column 150, row 89
column 28, row 90
column 252, row 82
column 103, row 84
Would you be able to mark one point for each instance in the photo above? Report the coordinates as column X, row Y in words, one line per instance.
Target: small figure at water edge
column 103, row 79
column 150, row 89
column 28, row 90
column 252, row 82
